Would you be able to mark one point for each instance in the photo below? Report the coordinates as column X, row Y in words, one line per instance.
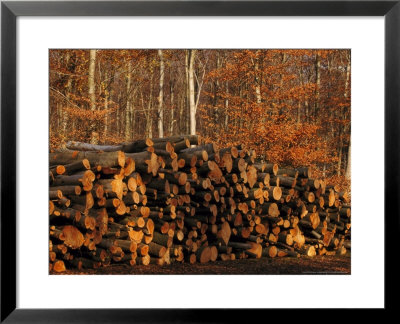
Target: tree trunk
column 192, row 105
column 67, row 95
column 80, row 146
column 128, row 117
column 226, row 104
column 318, row 81
column 92, row 91
column 257, row 81
column 161, row 97
column 106, row 99
column 339, row 165
column 348, row 168
column 104, row 159
column 348, row 69
column 149, row 119
column 172, row 108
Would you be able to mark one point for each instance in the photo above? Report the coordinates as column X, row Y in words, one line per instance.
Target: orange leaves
column 292, row 106
column 296, row 122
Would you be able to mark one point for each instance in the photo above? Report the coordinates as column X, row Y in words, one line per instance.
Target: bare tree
column 346, row 94
column 192, row 104
column 348, row 169
column 161, row 97
column 128, row 117
column 172, row 120
column 92, row 90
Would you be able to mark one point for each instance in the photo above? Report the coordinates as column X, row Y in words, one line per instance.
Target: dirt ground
column 303, row 265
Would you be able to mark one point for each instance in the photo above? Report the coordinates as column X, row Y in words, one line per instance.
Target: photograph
column 218, row 145
column 199, row 161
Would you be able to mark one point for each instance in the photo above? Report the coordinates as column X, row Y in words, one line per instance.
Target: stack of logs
column 178, row 200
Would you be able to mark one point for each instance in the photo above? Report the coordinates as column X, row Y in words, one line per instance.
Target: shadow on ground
column 304, row 265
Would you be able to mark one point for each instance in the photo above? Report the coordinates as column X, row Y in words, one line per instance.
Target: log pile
column 178, row 200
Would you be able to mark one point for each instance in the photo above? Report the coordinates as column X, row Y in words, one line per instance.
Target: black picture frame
column 11, row 10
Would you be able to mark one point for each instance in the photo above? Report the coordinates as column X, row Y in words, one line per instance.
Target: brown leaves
column 292, row 106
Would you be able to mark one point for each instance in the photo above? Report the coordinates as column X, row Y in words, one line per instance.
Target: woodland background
column 292, row 106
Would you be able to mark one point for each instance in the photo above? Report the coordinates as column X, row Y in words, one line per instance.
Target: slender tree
column 92, row 92
column 161, row 97
column 128, row 108
column 348, row 168
column 192, row 104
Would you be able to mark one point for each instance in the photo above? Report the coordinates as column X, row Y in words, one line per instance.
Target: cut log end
column 59, row 266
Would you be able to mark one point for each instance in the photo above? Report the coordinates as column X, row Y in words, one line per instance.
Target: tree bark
column 92, row 92
column 348, row 168
column 172, row 121
column 128, row 117
column 192, row 104
column 318, row 81
column 161, row 97
column 104, row 159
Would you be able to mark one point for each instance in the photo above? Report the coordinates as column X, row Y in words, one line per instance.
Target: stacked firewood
column 176, row 199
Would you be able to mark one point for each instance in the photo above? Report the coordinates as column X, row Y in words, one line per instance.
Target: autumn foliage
column 292, row 106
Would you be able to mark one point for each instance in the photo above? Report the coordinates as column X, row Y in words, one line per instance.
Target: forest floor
column 303, row 265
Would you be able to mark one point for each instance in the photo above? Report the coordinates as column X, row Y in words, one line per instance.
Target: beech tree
column 92, row 94
column 161, row 97
column 191, row 92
